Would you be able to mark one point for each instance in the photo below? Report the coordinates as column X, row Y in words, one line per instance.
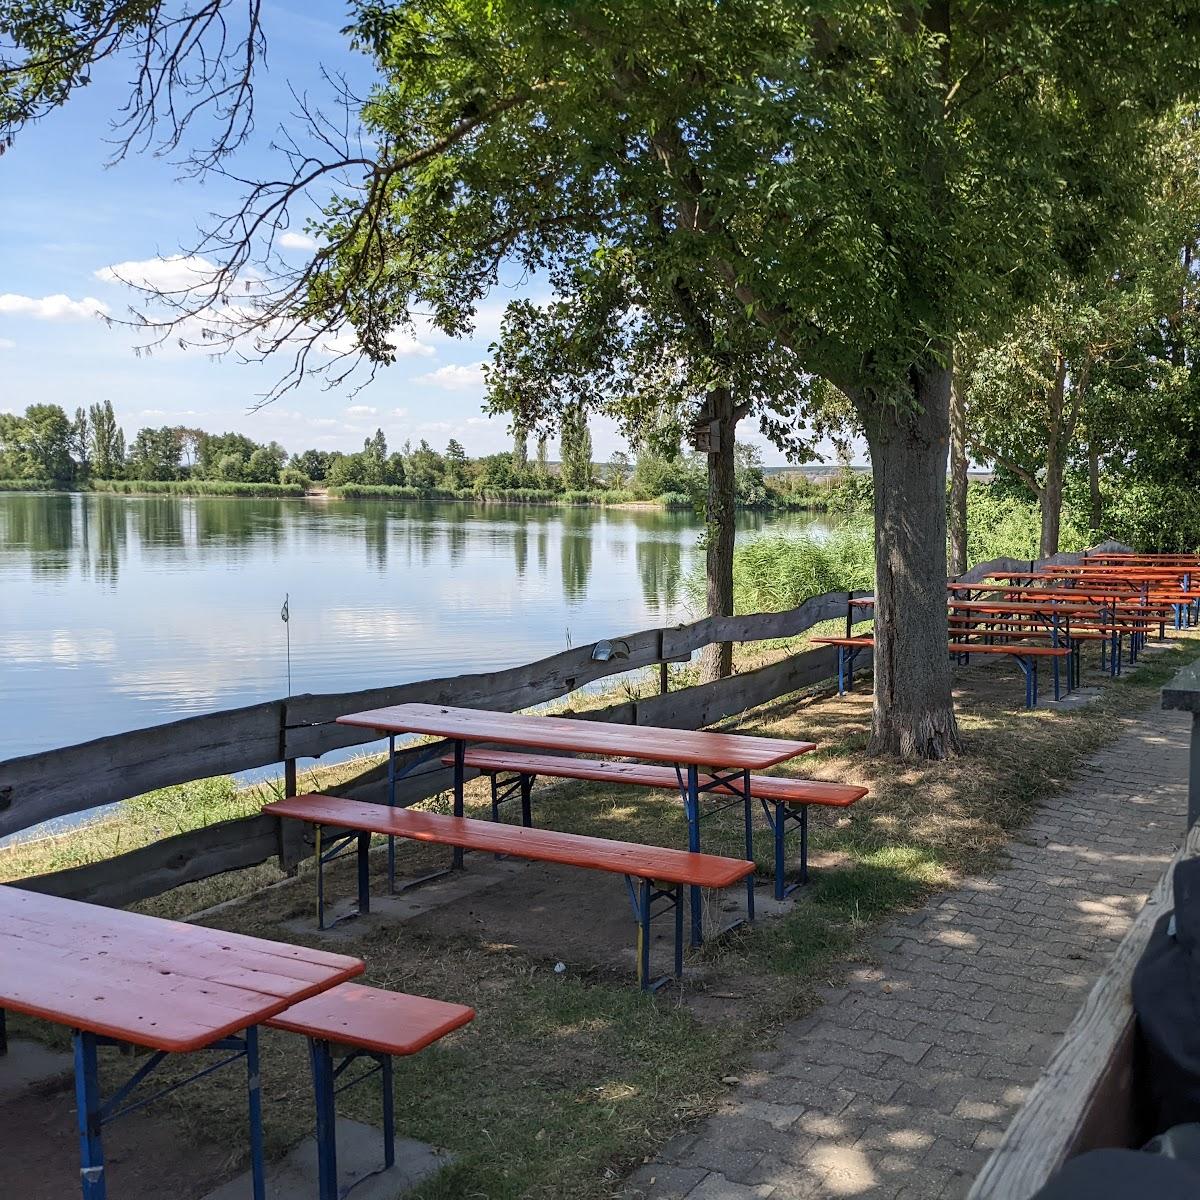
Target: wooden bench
column 645, row 868
column 1026, row 656
column 356, row 1022
column 783, row 800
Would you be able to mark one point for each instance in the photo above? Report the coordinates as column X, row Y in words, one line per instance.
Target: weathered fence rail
column 60, row 783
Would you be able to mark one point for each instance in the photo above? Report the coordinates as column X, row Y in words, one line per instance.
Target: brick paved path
column 903, row 1080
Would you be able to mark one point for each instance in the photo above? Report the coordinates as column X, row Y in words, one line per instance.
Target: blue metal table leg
column 389, row 1111
column 87, row 1107
column 364, row 873
column 693, row 820
column 841, row 670
column 460, row 750
column 391, row 804
column 323, row 1089
column 748, row 817
column 258, row 1170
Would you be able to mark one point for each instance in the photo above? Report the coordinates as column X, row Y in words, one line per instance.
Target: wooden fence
column 64, row 782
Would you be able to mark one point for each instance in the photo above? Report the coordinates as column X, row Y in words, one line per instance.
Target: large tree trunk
column 1096, row 514
column 716, row 660
column 958, row 480
column 1050, row 497
column 913, row 713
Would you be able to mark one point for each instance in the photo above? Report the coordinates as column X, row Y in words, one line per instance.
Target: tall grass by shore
column 192, row 487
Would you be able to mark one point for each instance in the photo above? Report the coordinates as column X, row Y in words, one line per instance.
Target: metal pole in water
column 287, row 628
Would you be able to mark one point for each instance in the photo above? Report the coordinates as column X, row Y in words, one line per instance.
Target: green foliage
column 294, row 477
column 576, row 446
column 38, row 444
column 657, row 474
column 1003, row 525
column 28, row 485
column 193, row 487
column 771, row 574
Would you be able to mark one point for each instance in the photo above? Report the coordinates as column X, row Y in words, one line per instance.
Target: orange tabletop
column 583, row 737
column 162, row 984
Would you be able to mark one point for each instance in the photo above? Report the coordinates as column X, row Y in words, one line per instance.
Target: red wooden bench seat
column 777, row 791
column 649, row 865
column 363, row 1022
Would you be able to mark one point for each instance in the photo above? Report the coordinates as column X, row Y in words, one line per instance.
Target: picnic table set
column 1047, row 614
column 121, row 979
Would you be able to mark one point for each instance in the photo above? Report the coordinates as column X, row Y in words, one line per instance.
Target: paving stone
column 902, row 1083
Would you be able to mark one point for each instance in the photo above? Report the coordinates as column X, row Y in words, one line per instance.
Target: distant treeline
column 45, row 448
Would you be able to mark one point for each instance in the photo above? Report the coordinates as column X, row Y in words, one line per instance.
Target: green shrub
column 294, row 477
column 29, row 485
column 775, row 573
column 1002, row 525
column 677, row 500
column 193, row 487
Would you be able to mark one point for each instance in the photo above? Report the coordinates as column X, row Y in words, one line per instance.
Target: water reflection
column 119, row 611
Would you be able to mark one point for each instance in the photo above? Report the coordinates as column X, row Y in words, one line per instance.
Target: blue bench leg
column 643, row 942
column 87, row 1107
column 323, row 1089
column 678, row 930
column 527, row 801
column 841, row 670
column 780, row 857
column 748, row 812
column 460, row 750
column 804, row 843
column 391, row 866
column 317, row 840
column 364, row 873
column 258, row 1172
column 693, row 820
column 389, row 1112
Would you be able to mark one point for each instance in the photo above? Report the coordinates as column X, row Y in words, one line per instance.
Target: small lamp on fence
column 605, row 651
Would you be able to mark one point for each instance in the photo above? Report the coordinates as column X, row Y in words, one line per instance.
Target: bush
column 294, row 477
column 29, row 485
column 1002, row 525
column 677, row 500
column 775, row 573
column 193, row 487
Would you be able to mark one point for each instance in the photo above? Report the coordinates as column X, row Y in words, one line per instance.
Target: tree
column 265, row 464
column 575, row 449
column 867, row 183
column 313, row 463
column 106, row 445
column 80, row 444
column 456, row 468
column 189, row 61
column 520, row 450
column 618, row 469
column 424, row 467
column 37, row 445
column 155, row 454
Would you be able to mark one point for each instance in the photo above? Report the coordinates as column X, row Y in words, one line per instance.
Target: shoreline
column 255, row 491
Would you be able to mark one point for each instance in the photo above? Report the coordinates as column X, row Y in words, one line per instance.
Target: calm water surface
column 118, row 612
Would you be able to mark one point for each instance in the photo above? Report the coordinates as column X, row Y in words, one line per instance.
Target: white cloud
column 362, row 410
column 296, row 241
column 51, row 308
column 399, row 412
column 454, row 377
column 174, row 273
column 7, row 344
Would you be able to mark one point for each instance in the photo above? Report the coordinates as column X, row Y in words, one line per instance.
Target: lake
column 118, row 612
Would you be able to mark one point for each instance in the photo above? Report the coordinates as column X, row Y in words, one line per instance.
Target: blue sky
column 67, row 220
